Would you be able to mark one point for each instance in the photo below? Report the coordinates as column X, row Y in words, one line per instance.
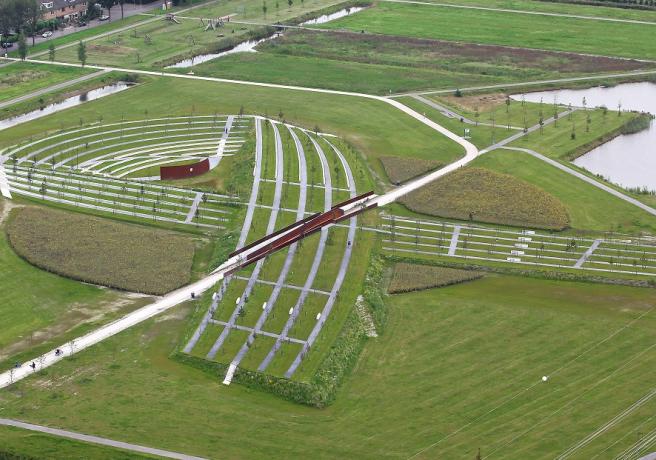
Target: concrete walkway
column 49, row 89
column 193, row 208
column 96, row 440
column 316, row 262
column 250, row 210
column 4, row 185
column 587, row 179
column 341, row 275
column 300, row 213
column 277, row 196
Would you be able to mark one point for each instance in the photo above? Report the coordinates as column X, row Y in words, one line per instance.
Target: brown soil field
column 415, row 277
column 485, row 196
column 102, row 251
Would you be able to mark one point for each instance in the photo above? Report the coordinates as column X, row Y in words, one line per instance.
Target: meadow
column 593, row 341
column 486, row 196
column 100, row 251
column 21, row 78
column 399, row 169
column 500, row 28
column 413, row 277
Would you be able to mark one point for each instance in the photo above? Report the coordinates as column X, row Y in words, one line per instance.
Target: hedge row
column 531, row 273
column 321, row 390
column 373, row 291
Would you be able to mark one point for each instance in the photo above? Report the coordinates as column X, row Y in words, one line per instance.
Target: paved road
column 587, row 179
column 96, row 440
column 533, row 13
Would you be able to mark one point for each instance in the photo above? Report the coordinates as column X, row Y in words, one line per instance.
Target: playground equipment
column 171, row 17
column 213, row 23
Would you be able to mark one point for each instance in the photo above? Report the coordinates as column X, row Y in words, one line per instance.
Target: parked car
column 104, row 17
column 7, row 44
column 47, row 33
column 81, row 24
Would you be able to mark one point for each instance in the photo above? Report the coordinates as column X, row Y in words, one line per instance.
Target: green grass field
column 554, row 7
column 573, row 332
column 21, row 78
column 358, row 120
column 499, row 28
column 588, row 207
column 39, row 308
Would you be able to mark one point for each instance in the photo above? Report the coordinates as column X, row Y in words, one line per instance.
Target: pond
column 65, row 104
column 628, row 160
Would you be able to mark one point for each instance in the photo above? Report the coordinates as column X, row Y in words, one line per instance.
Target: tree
column 22, row 47
column 264, row 9
column 290, row 3
column 32, row 16
column 121, row 2
column 107, row 4
column 82, row 52
column 51, row 52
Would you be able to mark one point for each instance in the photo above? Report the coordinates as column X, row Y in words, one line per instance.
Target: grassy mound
column 101, row 251
column 400, row 169
column 487, row 196
column 413, row 277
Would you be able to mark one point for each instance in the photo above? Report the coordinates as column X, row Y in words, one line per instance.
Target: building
column 65, row 10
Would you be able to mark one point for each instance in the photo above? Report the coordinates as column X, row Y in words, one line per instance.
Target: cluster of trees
column 20, row 16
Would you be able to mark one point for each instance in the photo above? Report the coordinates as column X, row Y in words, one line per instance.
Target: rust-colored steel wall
column 184, row 171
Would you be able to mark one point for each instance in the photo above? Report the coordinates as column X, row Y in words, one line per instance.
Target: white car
column 104, row 17
column 47, row 34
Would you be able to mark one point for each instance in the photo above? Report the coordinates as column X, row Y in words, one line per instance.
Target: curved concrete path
column 314, row 268
column 279, row 284
column 273, row 217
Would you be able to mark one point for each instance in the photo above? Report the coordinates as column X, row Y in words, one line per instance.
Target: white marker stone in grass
column 545, row 378
column 238, row 300
column 264, row 306
column 318, row 316
column 291, row 310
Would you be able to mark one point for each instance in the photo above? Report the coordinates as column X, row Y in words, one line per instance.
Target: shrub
column 487, row 196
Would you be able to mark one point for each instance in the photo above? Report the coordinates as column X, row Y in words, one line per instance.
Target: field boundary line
column 96, row 440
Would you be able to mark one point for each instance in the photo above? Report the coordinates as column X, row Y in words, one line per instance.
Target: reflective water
column 628, row 160
column 65, row 104
column 331, row 17
column 247, row 46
